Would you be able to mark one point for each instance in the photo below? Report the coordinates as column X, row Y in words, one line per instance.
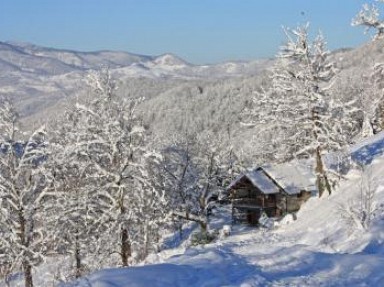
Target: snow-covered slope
column 326, row 246
column 367, row 150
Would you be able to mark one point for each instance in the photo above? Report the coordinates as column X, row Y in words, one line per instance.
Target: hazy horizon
column 198, row 31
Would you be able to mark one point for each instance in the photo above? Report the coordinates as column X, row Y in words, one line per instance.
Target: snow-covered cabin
column 274, row 190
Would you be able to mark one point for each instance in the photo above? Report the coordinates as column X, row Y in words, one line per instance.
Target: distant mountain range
column 29, row 58
column 24, row 57
column 38, row 77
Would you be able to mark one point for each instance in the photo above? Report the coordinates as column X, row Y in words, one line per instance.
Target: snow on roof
column 293, row 177
column 262, row 181
column 259, row 179
column 235, row 181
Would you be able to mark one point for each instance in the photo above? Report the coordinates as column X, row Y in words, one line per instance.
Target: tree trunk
column 125, row 244
column 203, row 226
column 126, row 251
column 322, row 181
column 321, row 176
column 203, row 223
column 78, row 258
column 27, row 268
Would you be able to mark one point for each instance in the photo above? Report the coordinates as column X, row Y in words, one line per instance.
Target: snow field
column 318, row 249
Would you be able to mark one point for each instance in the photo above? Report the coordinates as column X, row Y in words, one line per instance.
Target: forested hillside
column 110, row 159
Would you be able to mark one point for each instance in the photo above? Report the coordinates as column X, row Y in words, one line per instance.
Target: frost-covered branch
column 369, row 17
column 25, row 193
column 295, row 114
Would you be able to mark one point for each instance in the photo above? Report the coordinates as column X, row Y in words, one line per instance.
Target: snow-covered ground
column 320, row 248
column 325, row 246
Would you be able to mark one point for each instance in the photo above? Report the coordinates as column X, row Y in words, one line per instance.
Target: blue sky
column 200, row 31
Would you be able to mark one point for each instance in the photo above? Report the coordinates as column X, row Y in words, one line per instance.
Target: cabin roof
column 270, row 179
column 258, row 178
column 293, row 177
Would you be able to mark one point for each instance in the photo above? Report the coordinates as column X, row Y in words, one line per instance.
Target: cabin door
column 252, row 217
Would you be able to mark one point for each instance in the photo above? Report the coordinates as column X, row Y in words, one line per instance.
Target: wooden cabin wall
column 244, row 189
column 243, row 215
column 248, row 202
column 293, row 203
column 256, row 199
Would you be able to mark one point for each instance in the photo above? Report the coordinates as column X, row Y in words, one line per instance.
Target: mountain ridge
column 37, row 77
column 88, row 59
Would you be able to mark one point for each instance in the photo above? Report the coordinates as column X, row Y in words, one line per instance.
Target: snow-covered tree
column 370, row 94
column 25, row 190
column 297, row 111
column 77, row 208
column 376, row 115
column 180, row 179
column 150, row 207
column 216, row 164
column 369, row 17
column 116, row 150
column 196, row 169
column 360, row 213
